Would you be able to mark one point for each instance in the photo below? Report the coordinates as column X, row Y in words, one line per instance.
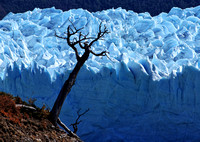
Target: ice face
column 147, row 88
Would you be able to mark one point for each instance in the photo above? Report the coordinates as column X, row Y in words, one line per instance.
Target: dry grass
column 8, row 108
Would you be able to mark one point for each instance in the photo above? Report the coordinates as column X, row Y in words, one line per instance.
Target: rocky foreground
column 27, row 124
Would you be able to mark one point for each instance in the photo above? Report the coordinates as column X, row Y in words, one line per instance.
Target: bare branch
column 75, row 125
column 109, row 58
column 25, row 106
column 69, row 43
column 60, row 36
column 80, row 41
column 67, row 129
column 81, row 38
column 72, row 24
column 100, row 34
column 103, row 53
column 76, row 30
column 75, row 40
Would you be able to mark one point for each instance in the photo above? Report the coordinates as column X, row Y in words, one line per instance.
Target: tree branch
column 75, row 125
column 60, row 36
column 25, row 106
column 67, row 129
column 69, row 43
column 76, row 30
column 100, row 34
column 103, row 53
column 81, row 38
column 81, row 46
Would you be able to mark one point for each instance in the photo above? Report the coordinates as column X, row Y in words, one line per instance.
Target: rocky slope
column 27, row 124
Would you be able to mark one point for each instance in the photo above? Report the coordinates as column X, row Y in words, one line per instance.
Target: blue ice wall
column 147, row 91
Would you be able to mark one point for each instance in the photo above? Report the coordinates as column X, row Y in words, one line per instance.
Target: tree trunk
column 66, row 88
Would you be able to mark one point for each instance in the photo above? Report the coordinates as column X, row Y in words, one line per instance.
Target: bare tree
column 75, row 38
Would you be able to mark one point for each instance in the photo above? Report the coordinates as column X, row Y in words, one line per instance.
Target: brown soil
column 25, row 125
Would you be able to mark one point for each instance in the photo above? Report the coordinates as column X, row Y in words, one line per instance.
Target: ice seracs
column 147, row 90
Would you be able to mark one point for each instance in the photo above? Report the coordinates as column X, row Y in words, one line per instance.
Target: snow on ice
column 148, row 91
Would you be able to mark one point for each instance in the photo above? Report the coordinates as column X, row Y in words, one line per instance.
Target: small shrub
column 8, row 108
column 32, row 102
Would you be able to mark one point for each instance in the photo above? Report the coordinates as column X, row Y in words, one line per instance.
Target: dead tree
column 75, row 38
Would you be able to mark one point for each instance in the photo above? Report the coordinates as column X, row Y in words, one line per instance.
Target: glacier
column 147, row 90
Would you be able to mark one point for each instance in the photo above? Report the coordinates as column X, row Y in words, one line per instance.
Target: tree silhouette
column 75, row 38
